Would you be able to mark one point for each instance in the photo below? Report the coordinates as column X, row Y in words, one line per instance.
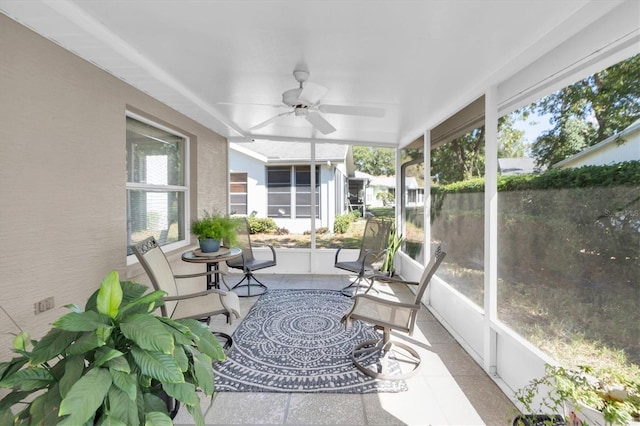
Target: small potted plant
column 113, row 362
column 585, row 396
column 213, row 229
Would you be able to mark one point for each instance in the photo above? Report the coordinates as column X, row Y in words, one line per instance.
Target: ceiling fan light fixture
column 301, row 75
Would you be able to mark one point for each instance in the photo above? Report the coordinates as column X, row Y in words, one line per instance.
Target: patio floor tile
column 449, row 389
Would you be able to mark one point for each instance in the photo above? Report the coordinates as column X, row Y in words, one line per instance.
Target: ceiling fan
column 305, row 101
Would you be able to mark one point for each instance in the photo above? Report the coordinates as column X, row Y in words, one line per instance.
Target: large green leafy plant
column 115, row 362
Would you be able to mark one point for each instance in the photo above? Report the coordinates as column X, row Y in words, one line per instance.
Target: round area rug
column 293, row 341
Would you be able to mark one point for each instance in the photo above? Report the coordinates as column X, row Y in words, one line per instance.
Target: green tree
column 510, row 140
column 374, row 161
column 588, row 111
column 463, row 158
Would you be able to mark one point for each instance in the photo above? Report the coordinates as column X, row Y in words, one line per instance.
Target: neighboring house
column 273, row 179
column 621, row 147
column 518, row 166
column 413, row 192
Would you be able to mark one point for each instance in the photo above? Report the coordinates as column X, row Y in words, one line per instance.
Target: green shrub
column 261, row 225
column 621, row 174
column 342, row 223
column 356, row 214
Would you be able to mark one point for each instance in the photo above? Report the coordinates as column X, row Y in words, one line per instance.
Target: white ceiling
column 225, row 63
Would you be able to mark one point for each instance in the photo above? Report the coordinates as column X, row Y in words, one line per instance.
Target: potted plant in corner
column 213, row 229
column 585, row 396
column 395, row 242
column 113, row 362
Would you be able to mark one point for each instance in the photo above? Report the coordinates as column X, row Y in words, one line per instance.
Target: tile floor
column 450, row 389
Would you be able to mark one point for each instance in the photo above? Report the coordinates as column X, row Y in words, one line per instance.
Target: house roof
column 633, row 128
column 518, row 166
column 390, row 182
column 291, row 152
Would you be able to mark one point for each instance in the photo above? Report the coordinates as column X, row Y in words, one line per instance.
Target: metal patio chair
column 375, row 240
column 372, row 357
column 248, row 263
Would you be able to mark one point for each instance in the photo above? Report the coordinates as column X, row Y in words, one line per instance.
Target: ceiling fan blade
column 352, row 110
column 320, row 123
column 312, row 93
column 269, row 121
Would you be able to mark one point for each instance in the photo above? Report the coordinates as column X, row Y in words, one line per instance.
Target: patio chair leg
column 353, row 288
column 372, row 357
column 261, row 288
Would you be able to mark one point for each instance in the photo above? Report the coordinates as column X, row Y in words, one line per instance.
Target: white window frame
column 186, row 189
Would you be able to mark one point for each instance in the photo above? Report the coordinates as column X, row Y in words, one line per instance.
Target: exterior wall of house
column 607, row 152
column 256, row 181
column 331, row 191
column 63, row 213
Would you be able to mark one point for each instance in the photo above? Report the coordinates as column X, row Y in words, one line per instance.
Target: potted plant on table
column 213, row 229
column 585, row 396
column 114, row 362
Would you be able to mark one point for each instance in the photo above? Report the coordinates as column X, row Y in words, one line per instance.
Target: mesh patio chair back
column 249, row 285
column 198, row 305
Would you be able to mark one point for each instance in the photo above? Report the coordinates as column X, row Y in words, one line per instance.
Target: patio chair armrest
column 193, row 295
column 387, row 279
column 339, row 250
column 273, row 251
column 390, row 303
column 199, row 274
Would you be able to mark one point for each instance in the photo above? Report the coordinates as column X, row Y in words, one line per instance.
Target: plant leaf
column 12, row 398
column 153, row 402
column 103, row 333
column 196, row 412
column 156, row 418
column 204, row 372
column 84, row 321
column 8, row 368
column 207, row 343
column 147, row 332
column 181, row 358
column 73, row 368
column 119, row 364
column 110, row 295
column 106, row 354
column 85, row 343
column 159, row 366
column 183, row 392
column 107, row 420
column 21, row 340
column 85, row 396
column 126, row 383
column 51, row 345
column 132, row 291
column 150, row 299
column 28, row 379
column 122, row 408
column 43, row 410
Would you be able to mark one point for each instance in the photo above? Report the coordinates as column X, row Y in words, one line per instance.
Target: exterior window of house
column 157, row 188
column 289, row 191
column 238, row 191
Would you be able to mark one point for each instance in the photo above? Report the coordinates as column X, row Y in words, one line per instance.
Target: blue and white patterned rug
column 293, row 341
